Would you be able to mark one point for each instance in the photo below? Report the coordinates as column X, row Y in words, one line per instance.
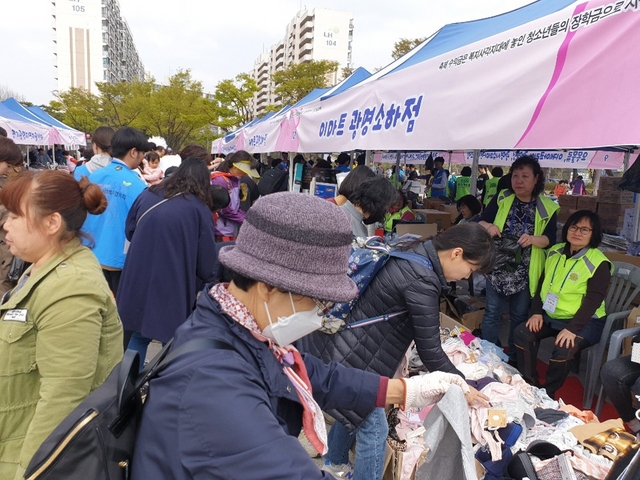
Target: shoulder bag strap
column 156, row 205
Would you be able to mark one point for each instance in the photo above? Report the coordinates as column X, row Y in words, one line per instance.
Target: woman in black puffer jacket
column 401, row 285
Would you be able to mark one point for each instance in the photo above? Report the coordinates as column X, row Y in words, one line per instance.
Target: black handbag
column 508, row 253
column 97, row 439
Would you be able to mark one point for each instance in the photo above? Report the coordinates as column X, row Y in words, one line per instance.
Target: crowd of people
column 131, row 243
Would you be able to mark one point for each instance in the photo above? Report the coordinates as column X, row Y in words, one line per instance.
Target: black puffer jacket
column 379, row 348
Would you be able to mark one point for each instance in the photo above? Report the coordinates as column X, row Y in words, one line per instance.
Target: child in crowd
column 152, row 172
column 561, row 188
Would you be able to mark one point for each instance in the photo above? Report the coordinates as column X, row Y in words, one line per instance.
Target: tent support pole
column 292, row 172
column 636, row 223
column 396, row 181
column 625, row 162
column 596, row 182
column 474, row 172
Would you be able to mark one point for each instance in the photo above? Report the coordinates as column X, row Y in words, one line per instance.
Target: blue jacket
column 121, row 186
column 171, row 256
column 234, row 414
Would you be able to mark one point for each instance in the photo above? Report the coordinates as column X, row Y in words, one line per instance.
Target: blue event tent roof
column 13, row 105
column 356, row 77
column 44, row 116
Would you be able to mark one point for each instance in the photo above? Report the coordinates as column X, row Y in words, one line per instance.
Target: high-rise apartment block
column 318, row 34
column 92, row 43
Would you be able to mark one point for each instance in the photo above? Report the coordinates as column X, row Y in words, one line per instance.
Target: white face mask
column 289, row 329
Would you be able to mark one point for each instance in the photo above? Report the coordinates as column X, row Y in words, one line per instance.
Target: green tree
column 77, row 108
column 178, row 111
column 234, row 98
column 346, row 71
column 404, row 46
column 296, row 81
column 121, row 104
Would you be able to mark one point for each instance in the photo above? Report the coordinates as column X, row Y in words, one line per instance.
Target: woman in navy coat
column 171, row 255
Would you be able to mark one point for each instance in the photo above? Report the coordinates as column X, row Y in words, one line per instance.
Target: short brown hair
column 10, row 152
column 51, row 191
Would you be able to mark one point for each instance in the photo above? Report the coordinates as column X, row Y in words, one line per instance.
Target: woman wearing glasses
column 569, row 303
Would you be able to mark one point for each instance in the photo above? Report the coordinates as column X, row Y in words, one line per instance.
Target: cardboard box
column 609, row 183
column 612, row 221
column 425, row 230
column 565, row 213
column 616, row 196
column 568, row 201
column 452, row 209
column 633, row 320
column 612, row 209
column 447, row 322
column 470, row 320
column 587, row 202
column 442, row 219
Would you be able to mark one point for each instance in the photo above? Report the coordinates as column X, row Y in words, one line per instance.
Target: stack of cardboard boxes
column 615, row 207
column 572, row 203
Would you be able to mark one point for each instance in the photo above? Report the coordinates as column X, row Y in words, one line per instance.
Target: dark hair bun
column 94, row 200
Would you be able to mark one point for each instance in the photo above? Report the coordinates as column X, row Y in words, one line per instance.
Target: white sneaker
column 344, row 470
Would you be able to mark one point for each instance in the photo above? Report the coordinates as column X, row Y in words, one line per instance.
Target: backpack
column 96, row 440
column 273, row 180
column 368, row 256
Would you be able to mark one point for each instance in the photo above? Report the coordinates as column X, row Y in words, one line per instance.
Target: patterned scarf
column 292, row 365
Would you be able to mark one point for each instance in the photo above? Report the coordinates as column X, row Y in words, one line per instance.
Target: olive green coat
column 60, row 337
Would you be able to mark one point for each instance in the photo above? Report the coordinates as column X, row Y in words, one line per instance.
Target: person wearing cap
column 121, row 185
column 235, row 166
column 236, row 412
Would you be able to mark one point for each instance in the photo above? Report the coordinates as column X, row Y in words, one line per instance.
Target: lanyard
column 524, row 227
column 566, row 276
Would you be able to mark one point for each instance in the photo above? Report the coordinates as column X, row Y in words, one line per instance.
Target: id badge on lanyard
column 550, row 303
column 551, row 300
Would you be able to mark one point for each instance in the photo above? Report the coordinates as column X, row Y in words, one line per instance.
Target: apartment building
column 92, row 43
column 313, row 34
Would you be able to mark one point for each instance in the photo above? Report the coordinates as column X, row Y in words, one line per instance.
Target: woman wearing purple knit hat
column 236, row 412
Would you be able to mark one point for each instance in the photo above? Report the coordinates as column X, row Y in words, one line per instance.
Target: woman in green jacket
column 60, row 334
column 569, row 303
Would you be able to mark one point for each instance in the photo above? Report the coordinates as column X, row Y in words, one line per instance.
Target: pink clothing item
column 456, row 351
column 152, row 176
column 497, row 393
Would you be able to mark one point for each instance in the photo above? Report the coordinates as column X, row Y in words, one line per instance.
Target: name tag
column 550, row 303
column 16, row 315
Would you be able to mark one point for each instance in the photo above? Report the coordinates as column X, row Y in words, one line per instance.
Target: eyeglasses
column 583, row 230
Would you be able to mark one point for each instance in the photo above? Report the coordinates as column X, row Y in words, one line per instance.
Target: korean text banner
column 597, row 159
column 552, row 75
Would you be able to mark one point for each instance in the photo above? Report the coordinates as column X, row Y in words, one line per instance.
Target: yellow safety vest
column 463, row 187
column 545, row 208
column 567, row 279
column 490, row 189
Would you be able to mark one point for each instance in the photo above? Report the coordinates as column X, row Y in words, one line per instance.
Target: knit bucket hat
column 296, row 242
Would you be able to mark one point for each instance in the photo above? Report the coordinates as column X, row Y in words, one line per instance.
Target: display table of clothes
column 524, row 434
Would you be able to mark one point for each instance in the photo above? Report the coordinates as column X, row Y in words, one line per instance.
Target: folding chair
column 623, row 289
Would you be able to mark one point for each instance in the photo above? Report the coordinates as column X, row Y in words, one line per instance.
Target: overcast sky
column 218, row 39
